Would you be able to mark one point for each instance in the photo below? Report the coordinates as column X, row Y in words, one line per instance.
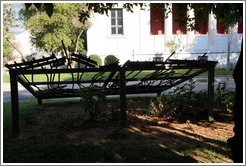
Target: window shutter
column 156, row 19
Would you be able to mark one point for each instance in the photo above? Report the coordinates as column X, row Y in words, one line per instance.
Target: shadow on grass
column 59, row 136
column 90, row 153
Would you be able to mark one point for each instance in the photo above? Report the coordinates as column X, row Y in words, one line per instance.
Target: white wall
column 137, row 40
column 23, row 43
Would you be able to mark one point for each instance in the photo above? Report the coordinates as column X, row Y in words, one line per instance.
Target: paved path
column 201, row 84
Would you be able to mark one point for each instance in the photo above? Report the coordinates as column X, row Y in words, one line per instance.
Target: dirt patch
column 66, row 123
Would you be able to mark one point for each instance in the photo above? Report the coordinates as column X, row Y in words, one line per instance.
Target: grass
column 88, row 76
column 199, row 152
column 92, row 152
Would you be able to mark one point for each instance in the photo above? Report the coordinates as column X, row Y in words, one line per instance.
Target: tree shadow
column 61, row 127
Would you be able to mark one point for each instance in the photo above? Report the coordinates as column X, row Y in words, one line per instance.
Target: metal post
column 39, row 101
column 210, row 92
column 229, row 49
column 14, row 103
column 122, row 97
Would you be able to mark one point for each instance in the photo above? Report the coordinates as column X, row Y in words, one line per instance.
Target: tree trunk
column 23, row 57
column 77, row 42
column 77, row 45
column 236, row 142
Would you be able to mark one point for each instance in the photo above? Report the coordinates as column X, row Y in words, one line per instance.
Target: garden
column 165, row 129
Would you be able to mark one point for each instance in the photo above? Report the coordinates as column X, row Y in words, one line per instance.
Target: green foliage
column 181, row 102
column 64, row 24
column 93, row 100
column 7, row 22
column 4, row 61
column 97, row 59
column 110, row 59
column 174, row 44
column 224, row 99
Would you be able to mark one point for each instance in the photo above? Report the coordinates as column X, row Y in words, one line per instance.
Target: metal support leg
column 123, row 97
column 14, row 103
column 210, row 92
column 39, row 101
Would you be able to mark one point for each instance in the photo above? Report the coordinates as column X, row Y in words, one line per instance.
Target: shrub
column 97, row 59
column 110, row 59
column 182, row 102
column 93, row 100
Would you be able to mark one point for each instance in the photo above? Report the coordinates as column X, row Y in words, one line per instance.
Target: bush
column 110, row 59
column 97, row 59
column 181, row 103
column 93, row 100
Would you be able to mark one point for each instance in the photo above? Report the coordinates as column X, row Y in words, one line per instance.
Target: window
column 156, row 19
column 116, row 22
column 240, row 26
column 221, row 27
column 177, row 14
column 203, row 25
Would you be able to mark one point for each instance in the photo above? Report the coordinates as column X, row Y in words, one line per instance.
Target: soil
column 66, row 123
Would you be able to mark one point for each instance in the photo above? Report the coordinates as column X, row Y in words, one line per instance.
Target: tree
column 227, row 13
column 64, row 24
column 8, row 37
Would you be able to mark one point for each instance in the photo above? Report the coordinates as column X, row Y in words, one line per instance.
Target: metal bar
column 123, row 97
column 84, row 58
column 210, row 92
column 30, row 62
column 186, row 78
column 14, row 103
column 111, row 75
column 26, row 85
column 169, row 56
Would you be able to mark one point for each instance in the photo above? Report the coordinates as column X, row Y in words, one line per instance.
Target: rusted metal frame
column 109, row 79
column 48, row 86
column 65, row 50
column 129, row 73
column 14, row 102
column 80, row 78
column 83, row 62
column 26, row 77
column 190, row 62
column 33, row 81
column 75, row 70
column 169, row 56
column 96, row 78
column 123, row 96
column 186, row 78
column 84, row 59
column 44, row 63
column 26, row 85
column 29, row 63
column 137, row 74
column 210, row 102
column 202, row 58
column 50, row 78
column 155, row 78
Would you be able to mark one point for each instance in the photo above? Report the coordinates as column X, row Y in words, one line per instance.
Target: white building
column 142, row 35
column 23, row 43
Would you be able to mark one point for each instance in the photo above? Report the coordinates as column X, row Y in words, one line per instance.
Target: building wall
column 23, row 43
column 139, row 43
